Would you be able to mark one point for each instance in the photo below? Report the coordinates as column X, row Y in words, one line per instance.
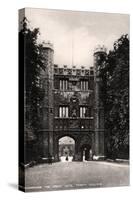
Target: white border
column 9, row 93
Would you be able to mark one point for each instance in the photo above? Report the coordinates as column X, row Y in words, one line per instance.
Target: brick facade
column 71, row 107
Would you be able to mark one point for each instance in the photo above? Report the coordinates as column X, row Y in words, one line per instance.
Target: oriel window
column 63, row 111
column 84, row 85
column 63, row 84
column 83, row 112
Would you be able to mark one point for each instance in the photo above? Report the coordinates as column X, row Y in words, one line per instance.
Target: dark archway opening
column 85, row 152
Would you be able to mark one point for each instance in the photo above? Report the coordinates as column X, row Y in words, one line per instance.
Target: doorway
column 66, row 149
column 85, row 152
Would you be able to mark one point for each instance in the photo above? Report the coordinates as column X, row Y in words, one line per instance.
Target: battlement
column 48, row 44
column 66, row 70
column 100, row 49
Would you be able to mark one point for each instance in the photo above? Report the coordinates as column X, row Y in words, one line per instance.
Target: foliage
column 115, row 88
column 32, row 63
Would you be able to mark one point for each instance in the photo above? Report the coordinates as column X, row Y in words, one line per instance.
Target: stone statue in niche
column 74, row 113
column 74, row 106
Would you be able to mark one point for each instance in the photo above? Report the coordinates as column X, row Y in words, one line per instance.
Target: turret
column 100, row 53
column 48, row 103
column 99, row 63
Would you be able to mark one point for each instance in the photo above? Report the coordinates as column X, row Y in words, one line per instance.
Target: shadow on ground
column 13, row 185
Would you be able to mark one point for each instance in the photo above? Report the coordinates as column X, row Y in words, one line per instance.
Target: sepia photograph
column 73, row 99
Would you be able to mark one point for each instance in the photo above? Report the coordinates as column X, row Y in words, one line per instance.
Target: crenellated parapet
column 74, row 71
column 48, row 44
column 100, row 49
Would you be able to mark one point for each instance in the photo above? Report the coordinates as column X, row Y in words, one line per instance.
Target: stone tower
column 99, row 62
column 47, row 103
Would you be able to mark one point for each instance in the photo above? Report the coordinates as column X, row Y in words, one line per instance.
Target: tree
column 115, row 77
column 31, row 61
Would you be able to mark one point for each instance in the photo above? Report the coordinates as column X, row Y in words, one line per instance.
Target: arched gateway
column 72, row 107
column 66, row 150
column 81, row 146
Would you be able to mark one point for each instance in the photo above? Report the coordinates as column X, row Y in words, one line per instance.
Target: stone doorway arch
column 85, row 152
column 85, row 148
column 66, row 148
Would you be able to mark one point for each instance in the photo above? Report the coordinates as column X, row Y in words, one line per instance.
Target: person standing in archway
column 67, row 158
column 90, row 156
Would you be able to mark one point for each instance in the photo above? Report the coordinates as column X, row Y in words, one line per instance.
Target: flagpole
column 72, row 49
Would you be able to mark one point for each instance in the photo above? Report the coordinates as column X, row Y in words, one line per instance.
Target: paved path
column 70, row 175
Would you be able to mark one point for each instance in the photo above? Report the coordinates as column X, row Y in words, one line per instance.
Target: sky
column 76, row 34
